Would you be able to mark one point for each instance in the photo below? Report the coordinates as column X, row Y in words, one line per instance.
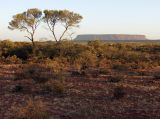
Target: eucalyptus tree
column 27, row 21
column 66, row 18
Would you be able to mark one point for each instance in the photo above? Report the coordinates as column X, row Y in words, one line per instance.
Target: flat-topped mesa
column 89, row 37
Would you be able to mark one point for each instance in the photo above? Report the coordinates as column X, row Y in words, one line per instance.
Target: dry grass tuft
column 32, row 110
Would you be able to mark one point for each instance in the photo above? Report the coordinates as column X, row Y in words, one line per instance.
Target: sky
column 99, row 16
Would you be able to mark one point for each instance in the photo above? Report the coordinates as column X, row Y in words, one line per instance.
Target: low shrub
column 156, row 76
column 120, row 67
column 104, row 62
column 56, row 65
column 39, row 73
column 22, row 52
column 116, row 78
column 60, row 76
column 103, row 71
column 82, row 112
column 54, row 86
column 86, row 59
column 118, row 93
column 16, row 88
column 76, row 73
column 20, row 75
column 13, row 60
column 144, row 65
column 32, row 110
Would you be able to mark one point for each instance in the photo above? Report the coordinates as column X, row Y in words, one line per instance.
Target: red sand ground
column 86, row 97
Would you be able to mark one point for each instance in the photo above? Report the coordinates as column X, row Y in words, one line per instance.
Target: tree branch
column 52, row 30
column 63, row 33
column 28, row 38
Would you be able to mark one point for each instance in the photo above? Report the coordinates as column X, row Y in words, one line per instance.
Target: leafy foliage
column 66, row 18
column 27, row 21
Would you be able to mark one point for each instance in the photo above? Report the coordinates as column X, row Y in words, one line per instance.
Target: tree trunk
column 63, row 34
column 33, row 46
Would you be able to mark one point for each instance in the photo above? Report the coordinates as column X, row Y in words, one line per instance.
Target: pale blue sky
column 100, row 16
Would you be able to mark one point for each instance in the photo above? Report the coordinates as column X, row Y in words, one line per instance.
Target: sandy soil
column 86, row 97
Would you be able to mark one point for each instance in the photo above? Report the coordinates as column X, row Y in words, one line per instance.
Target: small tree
column 66, row 18
column 27, row 21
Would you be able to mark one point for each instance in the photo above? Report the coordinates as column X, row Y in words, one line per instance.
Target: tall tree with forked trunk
column 67, row 19
column 27, row 21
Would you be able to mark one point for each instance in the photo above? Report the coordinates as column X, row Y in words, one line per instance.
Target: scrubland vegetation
column 64, row 79
column 79, row 81
column 66, row 54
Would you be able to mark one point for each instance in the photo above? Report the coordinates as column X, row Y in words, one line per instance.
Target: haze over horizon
column 100, row 17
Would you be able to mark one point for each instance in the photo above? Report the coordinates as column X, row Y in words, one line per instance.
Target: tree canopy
column 27, row 21
column 66, row 18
